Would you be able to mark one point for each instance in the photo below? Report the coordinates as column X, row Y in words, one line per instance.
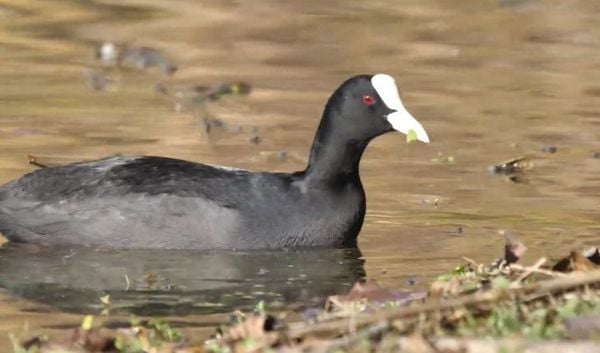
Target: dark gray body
column 155, row 202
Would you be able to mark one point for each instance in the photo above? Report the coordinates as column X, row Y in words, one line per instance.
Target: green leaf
column 411, row 136
column 460, row 270
column 165, row 332
column 261, row 308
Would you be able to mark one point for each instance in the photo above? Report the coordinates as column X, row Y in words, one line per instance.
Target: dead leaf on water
column 513, row 169
column 576, row 261
column 372, row 292
column 593, row 254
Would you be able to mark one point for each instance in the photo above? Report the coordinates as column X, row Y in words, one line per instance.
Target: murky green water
column 490, row 81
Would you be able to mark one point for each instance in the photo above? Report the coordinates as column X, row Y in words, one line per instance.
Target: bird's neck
column 334, row 157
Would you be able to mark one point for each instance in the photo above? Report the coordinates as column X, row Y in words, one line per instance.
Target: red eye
column 368, row 100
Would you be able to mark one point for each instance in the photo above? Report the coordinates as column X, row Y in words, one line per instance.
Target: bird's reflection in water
column 165, row 282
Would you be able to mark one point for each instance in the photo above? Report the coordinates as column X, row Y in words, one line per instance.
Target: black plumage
column 158, row 202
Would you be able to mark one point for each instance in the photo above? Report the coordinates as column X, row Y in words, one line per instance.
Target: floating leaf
column 87, row 322
column 105, row 299
column 516, row 166
column 575, row 262
column 370, row 291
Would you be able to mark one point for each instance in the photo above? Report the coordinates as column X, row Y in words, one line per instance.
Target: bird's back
column 155, row 202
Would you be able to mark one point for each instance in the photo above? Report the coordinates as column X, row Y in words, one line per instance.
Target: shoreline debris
column 523, row 307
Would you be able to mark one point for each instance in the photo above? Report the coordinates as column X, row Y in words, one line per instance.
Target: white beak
column 401, row 120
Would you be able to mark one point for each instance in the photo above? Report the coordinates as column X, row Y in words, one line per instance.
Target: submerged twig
column 33, row 161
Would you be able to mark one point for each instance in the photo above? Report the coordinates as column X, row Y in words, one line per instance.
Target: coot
column 158, row 202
